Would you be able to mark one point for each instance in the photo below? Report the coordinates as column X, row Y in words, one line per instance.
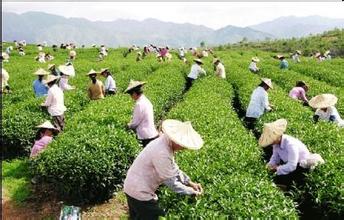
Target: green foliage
column 228, row 166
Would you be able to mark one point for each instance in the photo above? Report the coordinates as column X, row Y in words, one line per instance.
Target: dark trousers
column 188, row 83
column 297, row 177
column 144, row 210
column 110, row 92
column 145, row 142
column 59, row 122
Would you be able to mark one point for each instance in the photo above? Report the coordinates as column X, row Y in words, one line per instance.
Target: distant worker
column 143, row 115
column 43, row 138
column 72, row 54
column 21, row 51
column 9, row 49
column 195, row 72
column 48, row 57
column 53, row 70
column 296, row 56
column 219, row 68
column 283, row 62
column 39, row 87
column 54, row 102
column 41, row 57
column 103, row 50
column 325, row 109
column 259, row 103
column 110, row 84
column 63, row 83
column 181, row 54
column 327, row 55
column 96, row 88
column 5, row 57
column 299, row 92
column 155, row 165
column 319, row 57
column 39, row 47
column 5, row 87
column 138, row 56
column 253, row 65
column 70, row 68
column 290, row 159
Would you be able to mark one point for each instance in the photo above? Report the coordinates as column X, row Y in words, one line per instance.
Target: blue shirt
column 39, row 88
column 284, row 64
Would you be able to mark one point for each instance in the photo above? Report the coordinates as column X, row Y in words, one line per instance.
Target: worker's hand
column 272, row 168
column 197, row 187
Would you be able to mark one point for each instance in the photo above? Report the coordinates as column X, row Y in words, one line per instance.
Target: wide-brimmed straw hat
column 272, row 131
column 182, row 133
column 317, row 55
column 323, row 101
column 327, row 52
column 50, row 78
column 92, row 71
column 267, row 82
column 102, row 70
column 198, row 61
column 41, row 72
column 255, row 59
column 51, row 66
column 298, row 52
column 65, row 70
column 47, row 125
column 216, row 60
column 279, row 56
column 133, row 84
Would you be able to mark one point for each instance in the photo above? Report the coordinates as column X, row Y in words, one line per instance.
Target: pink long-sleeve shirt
column 143, row 119
column 40, row 145
column 298, row 93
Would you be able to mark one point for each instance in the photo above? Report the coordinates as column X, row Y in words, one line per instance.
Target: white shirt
column 220, row 71
column 196, row 70
column 143, row 119
column 4, row 78
column 291, row 151
column 181, row 52
column 253, row 66
column 154, row 165
column 258, row 104
column 331, row 111
column 55, row 101
column 110, row 84
column 296, row 57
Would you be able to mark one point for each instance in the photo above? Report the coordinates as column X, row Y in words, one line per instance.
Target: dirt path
column 44, row 205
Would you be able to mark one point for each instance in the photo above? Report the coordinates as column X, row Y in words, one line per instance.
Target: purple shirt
column 40, row 145
column 298, row 93
column 291, row 151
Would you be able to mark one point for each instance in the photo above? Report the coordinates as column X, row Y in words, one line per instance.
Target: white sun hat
column 255, row 59
column 182, row 133
column 65, row 70
column 103, row 69
column 267, row 82
column 323, row 101
column 134, row 84
column 41, row 72
column 198, row 61
column 50, row 78
column 48, row 125
column 272, row 131
column 51, row 66
column 92, row 71
column 215, row 60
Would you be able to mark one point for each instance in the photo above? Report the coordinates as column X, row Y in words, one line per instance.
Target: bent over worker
column 290, row 159
column 143, row 115
column 155, row 165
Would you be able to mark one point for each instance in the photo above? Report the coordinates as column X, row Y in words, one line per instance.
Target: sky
column 211, row 14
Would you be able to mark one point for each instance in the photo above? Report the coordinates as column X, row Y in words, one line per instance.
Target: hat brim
column 331, row 101
column 176, row 138
column 131, row 88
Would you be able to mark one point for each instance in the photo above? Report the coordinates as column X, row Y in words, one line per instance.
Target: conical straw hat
column 50, row 78
column 272, row 131
column 133, row 84
column 255, row 59
column 267, row 82
column 41, row 72
column 323, row 101
column 182, row 133
column 47, row 125
column 103, row 69
column 215, row 60
column 198, row 61
column 50, row 66
column 65, row 70
column 92, row 71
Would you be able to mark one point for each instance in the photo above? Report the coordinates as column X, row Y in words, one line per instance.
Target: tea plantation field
column 87, row 163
